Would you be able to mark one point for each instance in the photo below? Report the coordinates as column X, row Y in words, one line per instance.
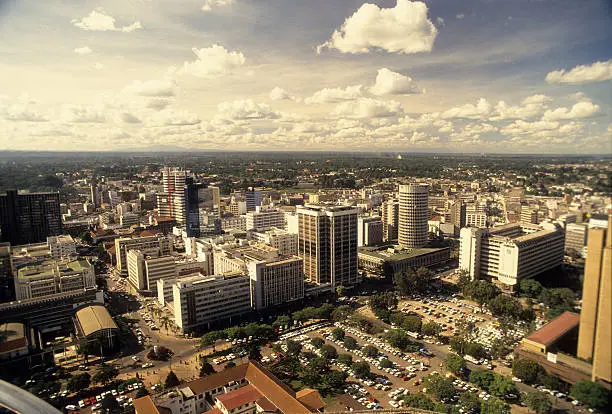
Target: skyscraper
column 595, row 335
column 458, row 214
column 413, row 215
column 29, row 218
column 252, row 197
column 327, row 241
column 390, row 219
column 200, row 202
column 171, row 202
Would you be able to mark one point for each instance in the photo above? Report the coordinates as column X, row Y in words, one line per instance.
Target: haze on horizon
column 497, row 76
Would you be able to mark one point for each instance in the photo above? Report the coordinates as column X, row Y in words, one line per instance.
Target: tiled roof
column 310, row 398
column 239, row 397
column 144, row 405
column 555, row 329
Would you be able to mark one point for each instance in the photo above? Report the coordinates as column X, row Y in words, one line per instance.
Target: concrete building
column 509, row 253
column 252, row 198
column 122, row 245
column 262, row 219
column 595, row 337
column 388, row 260
column 14, row 342
column 233, row 222
column 129, row 220
column 327, row 241
column 476, row 219
column 61, row 247
column 285, row 242
column 369, row 231
column 458, row 214
column 276, row 283
column 29, row 217
column 95, row 326
column 413, row 215
column 575, row 238
column 529, row 215
column 199, row 301
column 50, row 278
column 390, row 219
column 171, row 202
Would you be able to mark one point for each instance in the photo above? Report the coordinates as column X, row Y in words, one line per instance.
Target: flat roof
column 401, row 254
column 11, row 331
column 555, row 329
column 94, row 318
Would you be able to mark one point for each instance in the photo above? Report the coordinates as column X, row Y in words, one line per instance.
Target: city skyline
column 441, row 76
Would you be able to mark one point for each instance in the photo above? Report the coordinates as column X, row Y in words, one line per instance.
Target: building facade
column 265, row 218
column 369, row 231
column 413, row 215
column 32, row 282
column 390, row 219
column 276, row 283
column 29, row 218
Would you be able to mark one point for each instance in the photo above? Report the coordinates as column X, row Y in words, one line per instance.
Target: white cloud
column 129, row 118
column 584, row 109
column 531, row 107
column 99, row 21
column 368, row 108
column 213, row 62
column 23, row 113
column 209, row 4
column 152, row 88
column 244, row 110
column 440, row 21
column 404, row 28
column 279, row 94
column 595, row 72
column 389, row 82
column 327, row 95
column 469, row 111
column 525, row 128
column 98, row 66
column 82, row 114
column 158, row 104
column 85, row 50
column 460, row 16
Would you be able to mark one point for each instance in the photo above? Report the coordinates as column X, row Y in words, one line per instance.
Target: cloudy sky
column 516, row 76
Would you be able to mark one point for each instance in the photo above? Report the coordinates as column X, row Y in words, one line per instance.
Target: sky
column 451, row 76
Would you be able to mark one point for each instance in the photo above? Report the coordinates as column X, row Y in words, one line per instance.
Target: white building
column 61, row 247
column 54, row 277
column 264, row 218
column 476, row 219
column 369, row 231
column 413, row 215
column 123, row 245
column 276, row 283
column 285, row 242
column 511, row 252
column 200, row 301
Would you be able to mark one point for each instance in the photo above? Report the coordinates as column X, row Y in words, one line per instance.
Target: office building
column 595, row 335
column 7, row 286
column 529, row 215
column 369, row 231
column 129, row 220
column 458, row 213
column 122, row 245
column 327, row 241
column 264, row 218
column 202, row 204
column 29, row 217
column 575, row 238
column 285, row 242
column 199, row 301
column 252, row 197
column 61, row 247
column 388, row 260
column 476, row 219
column 275, row 282
column 509, row 253
column 32, row 282
column 390, row 219
column 171, row 202
column 413, row 215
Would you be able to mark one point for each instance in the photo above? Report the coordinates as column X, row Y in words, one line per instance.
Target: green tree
column 312, row 374
column 171, row 380
column 530, row 288
column 329, row 352
column 350, row 343
column 441, row 388
column 346, row 359
column 206, row 368
column 505, row 306
column 383, row 301
column 412, row 323
column 397, row 338
column 469, row 402
column 482, row 291
column 282, row 320
column 386, row 363
column 591, row 394
column 431, row 329
column 482, row 379
column 142, row 392
column 502, row 386
column 476, row 350
column 454, row 363
column 537, row 402
column 293, row 347
column 341, row 313
column 370, row 351
column 494, row 406
column 338, row 334
column 458, row 345
column 105, row 374
column 361, row 369
column 340, row 291
column 526, row 370
column 317, row 342
column 335, row 379
column 110, row 404
column 79, row 382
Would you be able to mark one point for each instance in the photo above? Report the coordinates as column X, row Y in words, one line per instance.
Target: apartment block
column 509, row 253
column 264, row 218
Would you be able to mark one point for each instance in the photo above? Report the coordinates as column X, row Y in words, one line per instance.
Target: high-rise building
column 275, row 283
column 369, row 231
column 160, row 243
column 171, row 202
column 413, row 215
column 390, row 219
column 29, row 218
column 476, row 219
column 200, row 202
column 595, row 334
column 575, row 238
column 252, row 196
column 327, row 241
column 509, row 253
column 458, row 214
column 264, row 218
column 6, row 279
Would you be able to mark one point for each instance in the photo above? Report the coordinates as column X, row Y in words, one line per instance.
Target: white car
column 71, row 407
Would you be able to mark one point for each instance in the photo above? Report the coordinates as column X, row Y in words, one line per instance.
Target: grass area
column 296, row 385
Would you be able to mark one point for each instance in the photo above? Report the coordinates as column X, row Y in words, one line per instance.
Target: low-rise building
column 53, row 277
column 285, row 242
column 61, row 247
column 390, row 259
column 264, row 218
column 95, row 326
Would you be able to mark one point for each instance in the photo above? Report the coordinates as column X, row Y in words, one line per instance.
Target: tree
column 483, row 379
column 172, row 380
column 386, row 363
column 441, row 388
column 341, row 313
column 431, row 329
column 370, row 351
column 105, row 374
column 350, row 343
column 530, row 288
column 206, row 368
column 361, row 369
column 413, row 281
column 165, row 322
column 494, row 406
column 383, row 301
column 110, row 404
column 458, row 345
column 505, row 306
column 311, row 374
column 345, row 359
column 469, row 402
column 317, row 342
column 293, row 347
column 537, row 402
column 340, row 291
column 591, row 394
column 526, row 370
column 282, row 320
column 335, row 379
column 502, row 386
column 475, row 349
column 329, row 352
column 142, row 392
column 454, row 363
column 399, row 339
column 338, row 334
column 558, row 301
column 412, row 324
column 79, row 382
column 86, row 237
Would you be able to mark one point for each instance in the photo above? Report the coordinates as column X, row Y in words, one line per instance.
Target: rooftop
column 555, row 329
column 395, row 252
column 144, row 405
column 94, row 318
column 238, row 397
